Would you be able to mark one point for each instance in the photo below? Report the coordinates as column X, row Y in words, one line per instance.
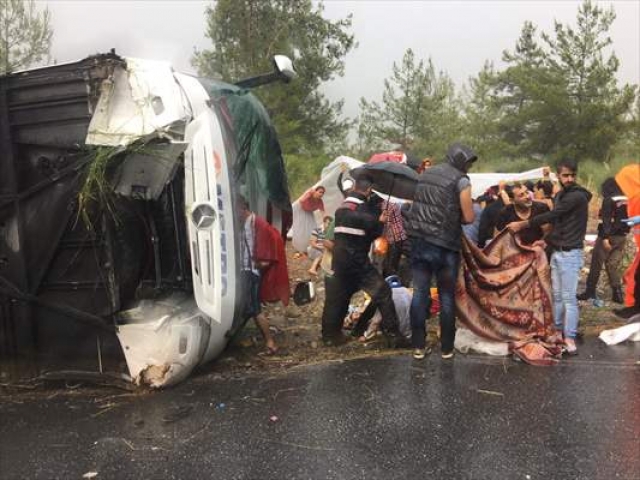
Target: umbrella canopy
column 391, row 178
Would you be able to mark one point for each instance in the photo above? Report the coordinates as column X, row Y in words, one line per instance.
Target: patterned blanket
column 504, row 294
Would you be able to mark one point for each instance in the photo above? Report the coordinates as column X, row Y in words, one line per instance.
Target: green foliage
column 245, row 36
column 25, row 35
column 628, row 146
column 592, row 173
column 419, row 110
column 97, row 190
column 593, row 104
column 563, row 99
column 517, row 92
column 303, row 171
column 557, row 96
column 482, row 116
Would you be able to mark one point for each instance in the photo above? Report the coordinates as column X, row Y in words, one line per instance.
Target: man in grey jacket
column 442, row 203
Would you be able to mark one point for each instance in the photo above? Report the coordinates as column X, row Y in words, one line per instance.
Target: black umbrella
column 391, row 178
column 413, row 162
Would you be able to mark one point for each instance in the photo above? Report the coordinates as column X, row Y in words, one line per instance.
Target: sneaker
column 447, row 355
column 570, row 346
column 420, row 353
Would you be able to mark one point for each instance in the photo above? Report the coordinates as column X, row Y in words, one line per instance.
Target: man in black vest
column 442, row 203
column 357, row 224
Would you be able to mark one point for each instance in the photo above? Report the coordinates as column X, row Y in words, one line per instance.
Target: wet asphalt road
column 471, row 418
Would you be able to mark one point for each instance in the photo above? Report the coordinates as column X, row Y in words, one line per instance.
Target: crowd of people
column 365, row 246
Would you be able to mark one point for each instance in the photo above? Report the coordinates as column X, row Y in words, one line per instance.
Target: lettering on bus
column 223, row 239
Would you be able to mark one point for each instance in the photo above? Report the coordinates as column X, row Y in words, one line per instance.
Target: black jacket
column 489, row 221
column 569, row 218
column 612, row 213
column 435, row 215
column 356, row 226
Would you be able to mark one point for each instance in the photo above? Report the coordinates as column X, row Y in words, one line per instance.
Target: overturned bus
column 118, row 238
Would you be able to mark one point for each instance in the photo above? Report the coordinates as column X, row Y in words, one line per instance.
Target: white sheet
column 479, row 181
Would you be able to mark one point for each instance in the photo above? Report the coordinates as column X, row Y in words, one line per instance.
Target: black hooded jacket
column 435, row 215
column 356, row 226
column 569, row 218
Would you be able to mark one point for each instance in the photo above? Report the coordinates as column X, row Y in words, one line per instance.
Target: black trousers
column 338, row 292
column 391, row 262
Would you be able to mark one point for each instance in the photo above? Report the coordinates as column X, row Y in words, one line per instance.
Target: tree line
column 556, row 94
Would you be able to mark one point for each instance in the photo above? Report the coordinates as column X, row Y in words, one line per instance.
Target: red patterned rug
column 504, row 294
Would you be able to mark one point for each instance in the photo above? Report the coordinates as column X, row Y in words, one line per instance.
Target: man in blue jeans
column 569, row 219
column 442, row 203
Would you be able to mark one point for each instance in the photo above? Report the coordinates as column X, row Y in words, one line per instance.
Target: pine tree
column 416, row 102
column 482, row 116
column 562, row 98
column 592, row 111
column 25, row 35
column 245, row 36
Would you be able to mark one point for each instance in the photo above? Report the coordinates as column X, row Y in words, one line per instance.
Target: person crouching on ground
column 569, row 218
column 356, row 226
column 442, row 203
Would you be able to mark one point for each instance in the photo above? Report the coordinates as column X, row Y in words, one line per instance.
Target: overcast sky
column 458, row 35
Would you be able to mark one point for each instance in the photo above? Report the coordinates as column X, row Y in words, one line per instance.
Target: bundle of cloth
column 504, row 295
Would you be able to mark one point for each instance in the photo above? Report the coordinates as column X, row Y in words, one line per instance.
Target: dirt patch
column 299, row 338
column 297, row 333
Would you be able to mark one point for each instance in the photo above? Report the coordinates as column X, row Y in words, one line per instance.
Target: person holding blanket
column 569, row 219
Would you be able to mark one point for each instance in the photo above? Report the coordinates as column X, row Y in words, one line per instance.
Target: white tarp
column 629, row 332
column 466, row 341
column 329, row 180
column 480, row 182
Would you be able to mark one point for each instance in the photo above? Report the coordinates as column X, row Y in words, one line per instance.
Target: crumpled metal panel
column 135, row 102
column 144, row 175
column 163, row 340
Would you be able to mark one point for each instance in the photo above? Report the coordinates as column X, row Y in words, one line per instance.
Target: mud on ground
column 298, row 330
